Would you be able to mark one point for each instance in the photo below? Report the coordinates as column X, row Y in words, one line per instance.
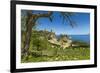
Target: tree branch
column 44, row 15
column 67, row 17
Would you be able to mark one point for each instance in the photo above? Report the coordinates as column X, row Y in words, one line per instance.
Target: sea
column 83, row 38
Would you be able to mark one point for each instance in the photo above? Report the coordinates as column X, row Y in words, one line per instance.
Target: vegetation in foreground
column 59, row 55
column 41, row 50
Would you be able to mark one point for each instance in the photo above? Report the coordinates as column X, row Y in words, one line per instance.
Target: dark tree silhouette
column 31, row 21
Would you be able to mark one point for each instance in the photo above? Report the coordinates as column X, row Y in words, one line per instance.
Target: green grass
column 42, row 51
column 60, row 55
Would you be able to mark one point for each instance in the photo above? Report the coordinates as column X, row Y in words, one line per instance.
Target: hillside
column 45, row 46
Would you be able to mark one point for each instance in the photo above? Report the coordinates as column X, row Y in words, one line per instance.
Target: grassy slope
column 62, row 55
column 41, row 50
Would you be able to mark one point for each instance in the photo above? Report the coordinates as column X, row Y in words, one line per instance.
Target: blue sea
column 84, row 38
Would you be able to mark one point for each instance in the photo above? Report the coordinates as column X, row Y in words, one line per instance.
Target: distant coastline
column 83, row 38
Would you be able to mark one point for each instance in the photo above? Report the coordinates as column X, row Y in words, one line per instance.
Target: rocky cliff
column 62, row 42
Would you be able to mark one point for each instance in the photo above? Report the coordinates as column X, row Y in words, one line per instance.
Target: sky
column 82, row 26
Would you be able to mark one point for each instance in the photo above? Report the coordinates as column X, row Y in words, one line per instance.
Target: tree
column 32, row 17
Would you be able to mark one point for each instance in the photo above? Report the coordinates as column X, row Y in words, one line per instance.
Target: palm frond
column 67, row 17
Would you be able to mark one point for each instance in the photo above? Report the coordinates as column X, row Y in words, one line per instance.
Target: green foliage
column 41, row 50
column 62, row 55
column 38, row 42
column 23, row 23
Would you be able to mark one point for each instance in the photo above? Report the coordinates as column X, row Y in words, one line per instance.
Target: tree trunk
column 31, row 21
column 27, row 37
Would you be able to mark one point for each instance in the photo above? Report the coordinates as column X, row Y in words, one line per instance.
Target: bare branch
column 44, row 15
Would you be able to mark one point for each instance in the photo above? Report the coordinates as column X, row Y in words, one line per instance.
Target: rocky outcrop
column 64, row 41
